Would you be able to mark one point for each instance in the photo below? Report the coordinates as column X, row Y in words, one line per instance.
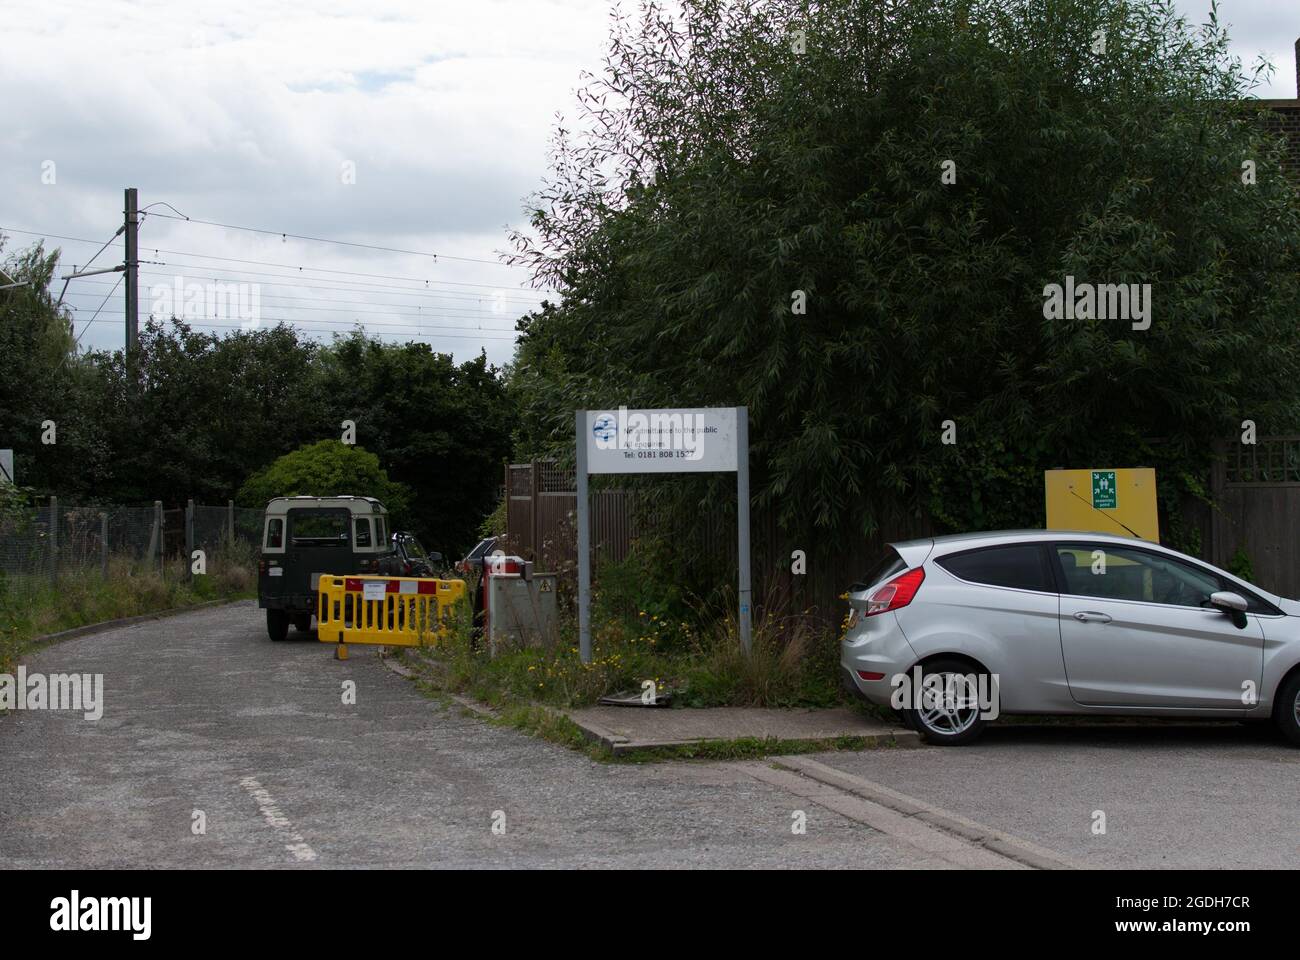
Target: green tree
column 43, row 382
column 323, row 469
column 440, row 428
column 204, row 411
column 731, row 157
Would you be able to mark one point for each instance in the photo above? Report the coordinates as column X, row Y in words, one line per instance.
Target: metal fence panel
column 85, row 536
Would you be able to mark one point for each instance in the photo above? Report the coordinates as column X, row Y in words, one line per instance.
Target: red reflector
column 868, row 675
column 428, row 586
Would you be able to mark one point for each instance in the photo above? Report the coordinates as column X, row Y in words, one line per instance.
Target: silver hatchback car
column 953, row 631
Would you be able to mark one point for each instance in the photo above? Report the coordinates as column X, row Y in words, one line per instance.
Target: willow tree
column 846, row 216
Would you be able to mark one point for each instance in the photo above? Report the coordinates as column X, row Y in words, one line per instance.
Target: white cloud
column 244, row 112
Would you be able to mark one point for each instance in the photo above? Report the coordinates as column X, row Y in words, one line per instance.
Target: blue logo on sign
column 604, row 427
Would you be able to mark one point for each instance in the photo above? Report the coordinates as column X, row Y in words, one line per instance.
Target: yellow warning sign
column 1109, row 500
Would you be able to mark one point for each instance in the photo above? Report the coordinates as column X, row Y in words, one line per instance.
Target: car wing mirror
column 1233, row 604
column 1229, row 601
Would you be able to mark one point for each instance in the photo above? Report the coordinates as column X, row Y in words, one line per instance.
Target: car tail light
column 261, row 565
column 896, row 593
column 870, row 675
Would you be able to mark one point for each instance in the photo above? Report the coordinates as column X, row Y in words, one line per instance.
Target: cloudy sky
column 414, row 125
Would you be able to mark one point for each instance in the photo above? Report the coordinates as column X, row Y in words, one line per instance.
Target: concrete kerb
column 1014, row 848
column 105, row 625
column 629, row 729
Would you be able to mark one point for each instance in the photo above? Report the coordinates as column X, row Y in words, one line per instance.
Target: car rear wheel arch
column 930, row 658
column 1285, row 679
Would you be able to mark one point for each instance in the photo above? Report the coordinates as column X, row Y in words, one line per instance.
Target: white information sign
column 687, row 440
column 373, row 590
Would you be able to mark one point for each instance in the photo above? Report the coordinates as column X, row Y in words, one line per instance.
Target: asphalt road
column 203, row 714
column 1208, row 796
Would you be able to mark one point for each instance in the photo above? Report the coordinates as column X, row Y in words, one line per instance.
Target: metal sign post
column 7, row 466
column 742, row 524
column 584, row 543
column 695, row 440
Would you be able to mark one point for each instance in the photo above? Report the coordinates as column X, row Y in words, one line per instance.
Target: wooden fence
column 540, row 518
column 1256, row 487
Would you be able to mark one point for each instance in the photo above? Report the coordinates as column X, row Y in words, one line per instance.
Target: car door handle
column 1085, row 615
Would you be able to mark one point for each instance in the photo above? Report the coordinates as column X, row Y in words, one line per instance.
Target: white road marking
column 275, row 818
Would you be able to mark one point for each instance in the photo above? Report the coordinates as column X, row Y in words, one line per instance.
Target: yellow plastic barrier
column 396, row 611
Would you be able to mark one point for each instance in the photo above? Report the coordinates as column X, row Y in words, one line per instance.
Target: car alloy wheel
column 946, row 717
column 947, row 711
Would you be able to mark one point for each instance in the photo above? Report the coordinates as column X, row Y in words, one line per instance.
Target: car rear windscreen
column 318, row 528
column 1017, row 565
column 889, row 565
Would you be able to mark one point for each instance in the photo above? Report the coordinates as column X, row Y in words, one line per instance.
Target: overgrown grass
column 549, row 723
column 690, row 652
column 33, row 606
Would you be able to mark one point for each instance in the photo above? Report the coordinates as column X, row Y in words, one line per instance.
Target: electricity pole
column 131, row 225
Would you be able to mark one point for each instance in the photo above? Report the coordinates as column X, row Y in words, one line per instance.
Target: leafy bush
column 324, row 469
column 714, row 171
column 1240, row 565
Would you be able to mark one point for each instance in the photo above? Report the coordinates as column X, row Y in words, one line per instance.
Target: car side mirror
column 1233, row 604
column 1228, row 601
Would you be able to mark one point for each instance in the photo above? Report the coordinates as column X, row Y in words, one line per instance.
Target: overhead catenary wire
column 431, row 318
column 268, row 323
column 453, row 295
column 381, row 276
column 457, row 299
column 466, row 304
column 425, row 281
column 77, row 340
column 377, row 330
column 345, row 243
column 436, row 310
column 145, row 212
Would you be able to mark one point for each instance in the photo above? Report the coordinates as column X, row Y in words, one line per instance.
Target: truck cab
column 305, row 537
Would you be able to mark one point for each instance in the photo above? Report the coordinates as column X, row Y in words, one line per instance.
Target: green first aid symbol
column 1103, row 489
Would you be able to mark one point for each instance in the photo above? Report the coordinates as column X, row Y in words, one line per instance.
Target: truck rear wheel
column 277, row 625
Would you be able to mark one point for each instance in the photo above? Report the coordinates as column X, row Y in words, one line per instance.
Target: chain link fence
column 58, row 540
